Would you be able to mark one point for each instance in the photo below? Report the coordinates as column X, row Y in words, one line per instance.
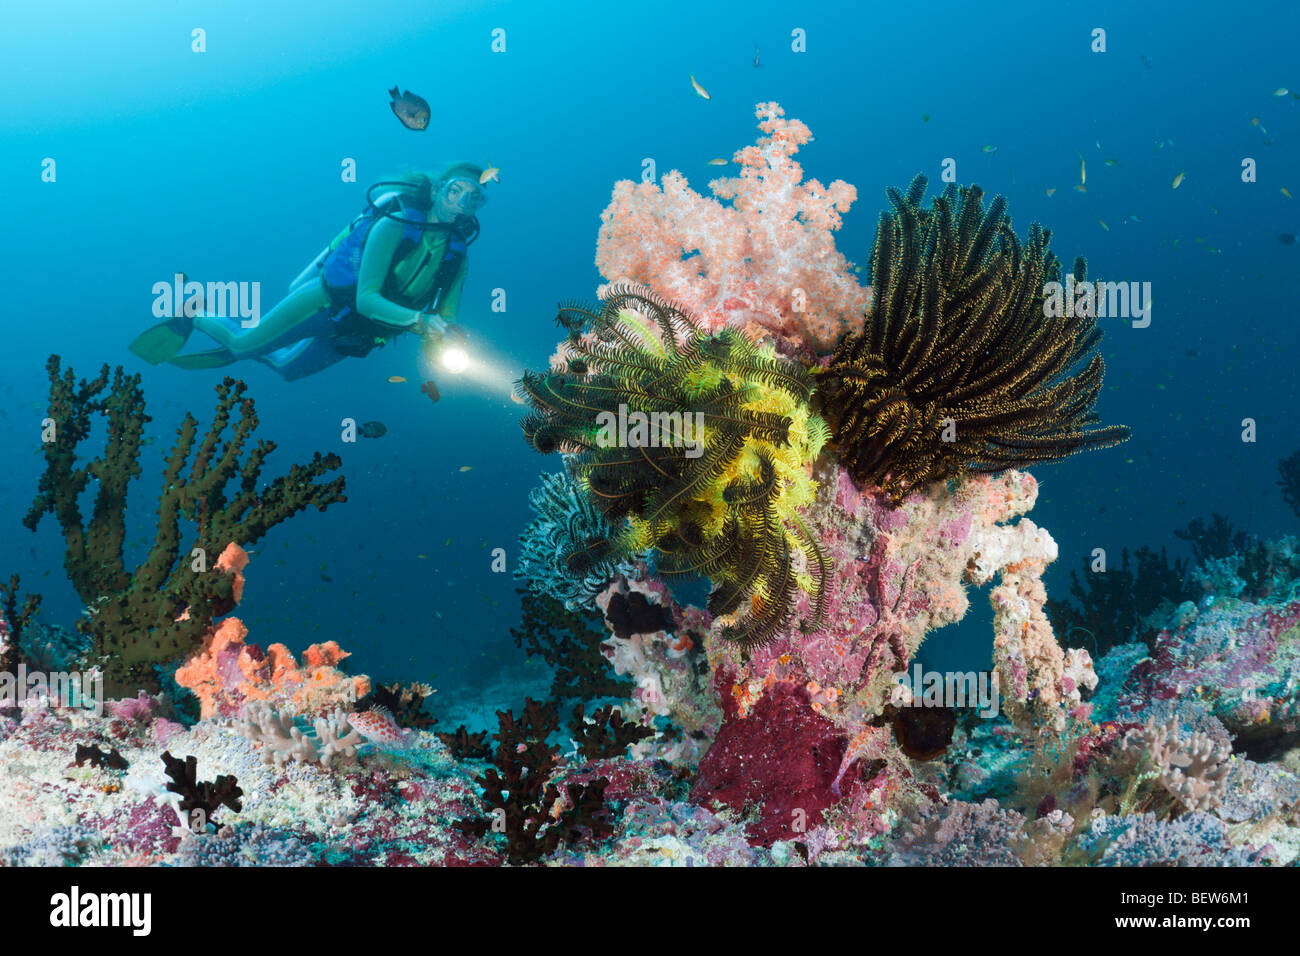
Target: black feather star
column 958, row 368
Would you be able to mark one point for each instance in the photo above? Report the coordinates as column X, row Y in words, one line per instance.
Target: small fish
column 490, row 175
column 1145, row 61
column 1101, row 222
column 1178, row 180
column 465, row 468
column 378, row 726
column 1051, row 191
column 1254, row 121
column 1080, row 188
column 516, row 399
column 989, row 149
column 699, row 89
column 1134, row 218
column 755, row 54
column 717, row 162
column 430, row 388
column 396, row 379
column 412, row 110
column 1286, row 238
column 1083, row 172
column 1112, row 162
column 373, row 430
column 925, row 117
column 1286, row 192
column 1281, row 91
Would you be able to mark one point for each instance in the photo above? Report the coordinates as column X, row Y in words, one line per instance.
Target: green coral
column 721, row 500
column 132, row 615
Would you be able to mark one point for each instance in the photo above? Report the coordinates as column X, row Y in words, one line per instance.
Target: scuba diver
column 398, row 267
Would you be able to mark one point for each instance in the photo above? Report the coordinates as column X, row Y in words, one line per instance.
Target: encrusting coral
column 958, row 368
column 696, row 447
column 158, row 612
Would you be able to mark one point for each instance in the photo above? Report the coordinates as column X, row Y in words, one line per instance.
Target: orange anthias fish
column 378, row 726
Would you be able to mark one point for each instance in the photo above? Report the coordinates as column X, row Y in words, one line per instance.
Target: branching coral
column 1110, row 606
column 957, row 368
column 161, row 610
column 767, row 261
column 1216, row 539
column 1190, row 770
column 19, row 619
column 700, row 445
column 1288, row 470
column 200, row 799
column 535, row 815
column 282, row 740
column 557, row 554
column 606, row 733
column 570, row 642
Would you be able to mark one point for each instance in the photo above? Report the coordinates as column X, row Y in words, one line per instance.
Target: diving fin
column 160, row 343
column 212, row 358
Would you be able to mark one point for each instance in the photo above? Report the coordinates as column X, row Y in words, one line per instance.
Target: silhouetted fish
column 373, row 430
column 1286, row 238
column 412, row 110
column 430, row 389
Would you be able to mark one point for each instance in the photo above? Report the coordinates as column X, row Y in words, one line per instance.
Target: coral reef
column 668, row 664
column 699, row 445
column 899, row 573
column 766, row 263
column 158, row 612
column 958, row 368
column 533, row 813
column 1114, row 606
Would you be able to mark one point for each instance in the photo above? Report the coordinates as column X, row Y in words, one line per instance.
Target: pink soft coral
column 766, row 261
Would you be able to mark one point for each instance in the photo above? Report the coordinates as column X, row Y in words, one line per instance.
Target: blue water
column 226, row 165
